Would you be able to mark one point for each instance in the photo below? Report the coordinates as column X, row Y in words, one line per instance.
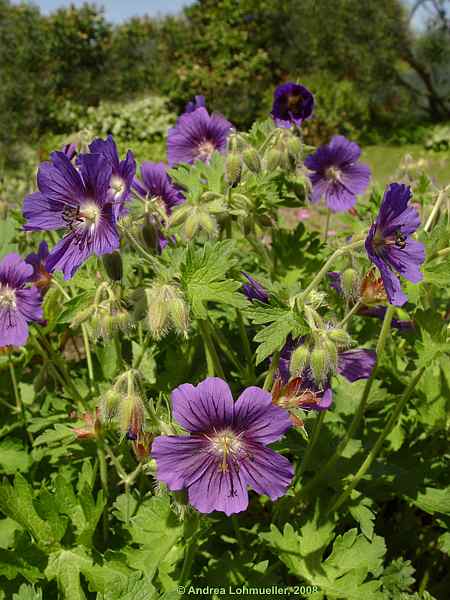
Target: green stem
column 359, row 413
column 350, row 313
column 104, row 482
column 148, row 257
column 380, row 441
column 327, row 225
column 212, row 358
column 144, row 348
column 224, row 346
column 268, row 138
column 90, row 365
column 439, row 254
column 271, row 372
column 245, row 344
column 436, row 207
column 312, row 443
column 326, row 267
column 19, row 404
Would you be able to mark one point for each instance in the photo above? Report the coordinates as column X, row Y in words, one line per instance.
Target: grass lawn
column 385, row 160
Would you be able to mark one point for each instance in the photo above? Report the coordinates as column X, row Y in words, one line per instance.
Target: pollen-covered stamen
column 7, row 297
column 333, row 174
column 117, row 186
column 205, row 150
column 226, row 444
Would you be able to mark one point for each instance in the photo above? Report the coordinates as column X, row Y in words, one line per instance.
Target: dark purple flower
column 337, row 175
column 226, row 450
column 38, row 260
column 156, row 185
column 352, row 364
column 18, row 304
column 390, row 246
column 379, row 311
column 292, row 104
column 122, row 172
column 77, row 201
column 335, row 281
column 254, row 290
column 196, row 136
column 197, row 102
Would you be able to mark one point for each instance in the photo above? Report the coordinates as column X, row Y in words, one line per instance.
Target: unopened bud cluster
column 285, row 151
column 319, row 353
column 166, row 309
column 123, row 405
column 107, row 313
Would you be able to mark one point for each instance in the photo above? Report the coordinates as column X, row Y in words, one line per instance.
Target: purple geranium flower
column 337, row 175
column 18, row 304
column 389, row 243
column 292, row 104
column 254, row 290
column 196, row 136
column 352, row 364
column 197, row 102
column 122, row 173
column 77, row 201
column 226, row 450
column 38, row 260
column 156, row 185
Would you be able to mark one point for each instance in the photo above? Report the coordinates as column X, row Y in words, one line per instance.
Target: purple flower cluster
column 226, row 449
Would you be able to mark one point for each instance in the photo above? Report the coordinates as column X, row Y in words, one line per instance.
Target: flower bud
column 179, row 314
column 150, row 235
column 191, row 226
column 299, row 360
column 319, row 364
column 350, row 283
column 233, row 167
column 294, row 146
column 113, row 266
column 340, row 337
column 252, row 160
column 241, row 202
column 131, row 415
column 286, row 160
column 158, row 297
column 142, row 445
column 207, row 222
column 273, row 159
column 331, row 354
column 109, row 406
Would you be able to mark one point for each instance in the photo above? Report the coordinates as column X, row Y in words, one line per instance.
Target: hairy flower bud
column 109, row 406
column 131, row 415
column 252, row 160
column 299, row 360
column 233, row 167
column 166, row 309
column 294, row 146
column 142, row 446
column 350, row 283
column 340, row 337
column 113, row 265
column 319, row 364
column 273, row 159
column 331, row 354
column 179, row 314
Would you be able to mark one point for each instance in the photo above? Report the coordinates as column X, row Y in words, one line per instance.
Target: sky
column 119, row 10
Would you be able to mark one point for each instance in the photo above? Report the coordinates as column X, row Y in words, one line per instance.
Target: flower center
column 117, row 186
column 90, row 213
column 7, row 297
column 333, row 173
column 205, row 150
column 226, row 444
column 294, row 104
